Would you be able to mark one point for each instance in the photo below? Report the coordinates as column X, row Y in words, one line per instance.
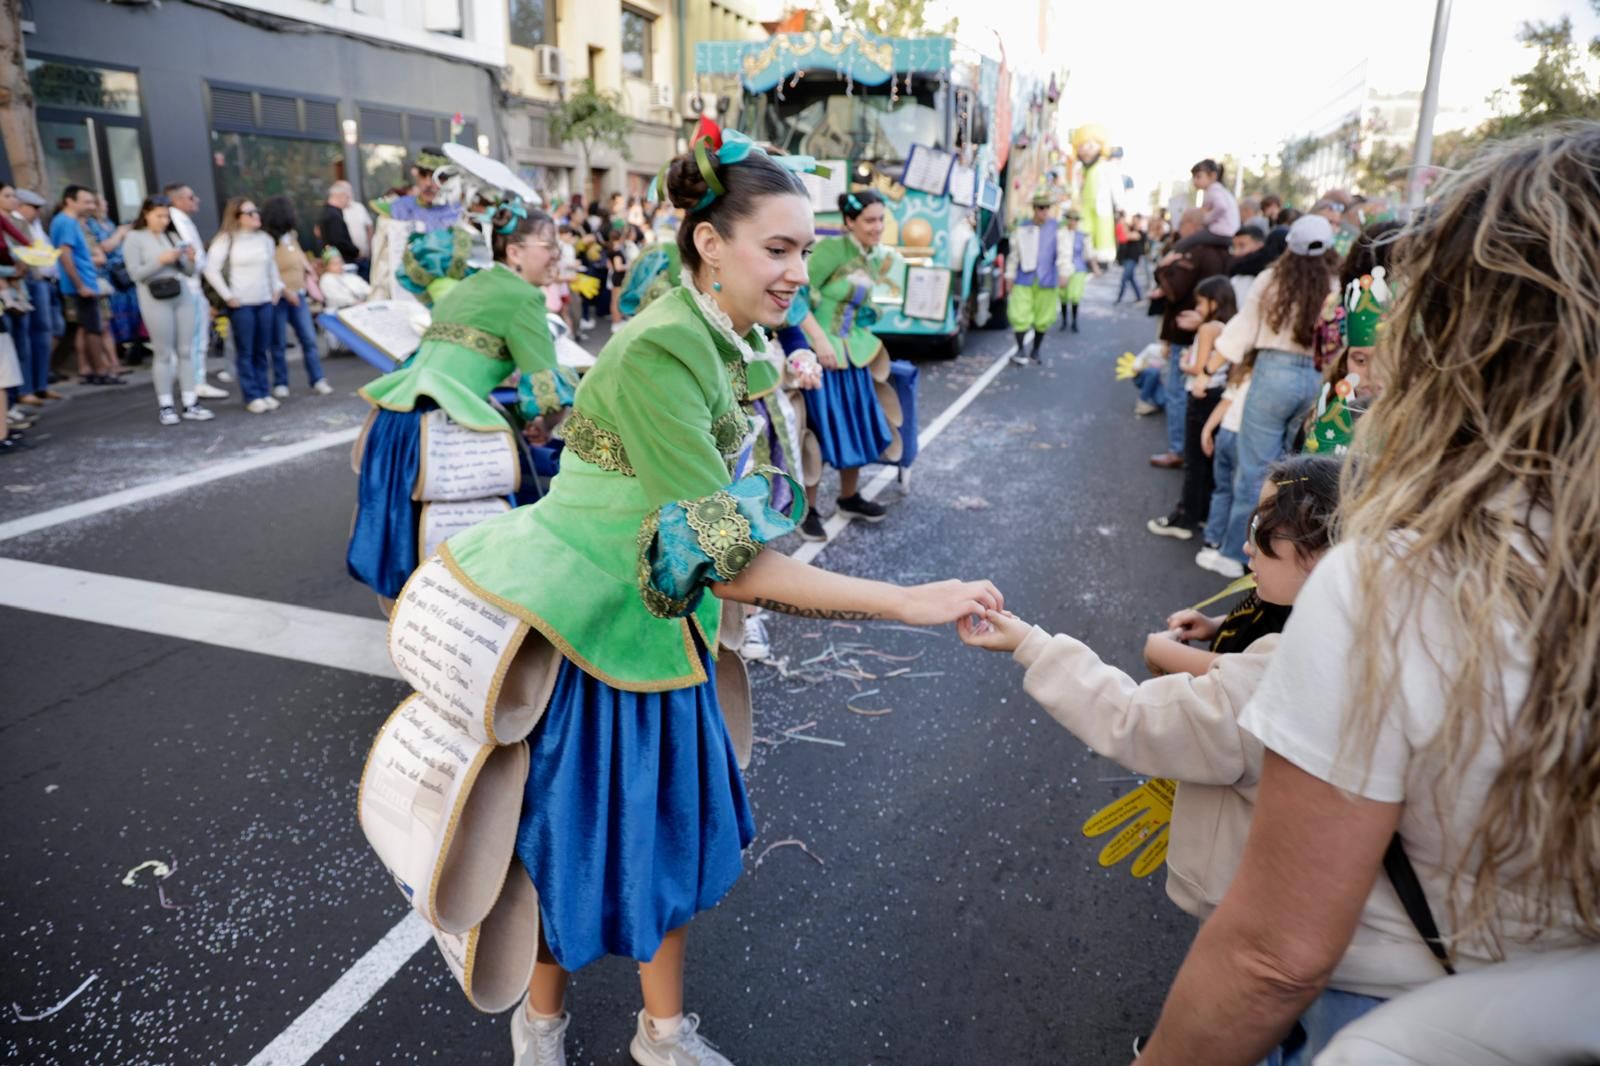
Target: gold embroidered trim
column 595, row 444
column 543, row 383
column 722, row 533
column 728, row 432
column 656, row 602
column 469, row 337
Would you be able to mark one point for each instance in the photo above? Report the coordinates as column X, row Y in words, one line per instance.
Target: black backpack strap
column 1403, row 876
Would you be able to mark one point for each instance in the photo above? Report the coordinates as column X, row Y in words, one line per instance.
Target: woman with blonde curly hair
column 1434, row 705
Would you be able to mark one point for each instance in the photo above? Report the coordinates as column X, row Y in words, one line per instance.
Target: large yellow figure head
column 1090, row 142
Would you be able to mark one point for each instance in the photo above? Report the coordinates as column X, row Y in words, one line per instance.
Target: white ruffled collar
column 866, row 252
column 719, row 320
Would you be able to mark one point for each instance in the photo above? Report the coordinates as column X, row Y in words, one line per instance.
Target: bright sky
column 1179, row 80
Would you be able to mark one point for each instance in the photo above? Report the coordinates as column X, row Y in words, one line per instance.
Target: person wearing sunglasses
column 242, row 270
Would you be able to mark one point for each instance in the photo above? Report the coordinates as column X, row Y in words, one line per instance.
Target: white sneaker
column 281, row 391
column 756, row 647
column 258, row 407
column 272, row 404
column 538, row 1043
column 195, row 413
column 1213, row 560
column 1019, row 359
column 686, row 1047
column 208, row 391
column 1140, row 407
column 1166, row 527
column 168, row 416
column 322, row 388
column 223, row 376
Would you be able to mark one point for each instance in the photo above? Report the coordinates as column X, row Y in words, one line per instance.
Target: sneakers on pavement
column 811, row 528
column 1140, row 407
column 1020, row 359
column 258, row 407
column 207, row 391
column 280, row 391
column 222, row 376
column 864, row 509
column 539, row 1043
column 271, row 402
column 1167, row 461
column 757, row 646
column 322, row 388
column 195, row 413
column 1213, row 560
column 168, row 416
column 686, row 1047
column 1165, row 526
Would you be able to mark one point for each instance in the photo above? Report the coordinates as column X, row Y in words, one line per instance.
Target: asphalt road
column 953, row 912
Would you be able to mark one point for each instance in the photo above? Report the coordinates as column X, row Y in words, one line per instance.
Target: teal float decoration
column 863, row 57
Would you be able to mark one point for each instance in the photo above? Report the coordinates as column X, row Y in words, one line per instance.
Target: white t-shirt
column 1299, row 712
column 1233, row 417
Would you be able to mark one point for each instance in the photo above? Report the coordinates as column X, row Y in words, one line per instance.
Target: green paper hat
column 430, row 159
column 1042, row 198
column 1366, row 303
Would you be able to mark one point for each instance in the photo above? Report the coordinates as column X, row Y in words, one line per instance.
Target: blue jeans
column 1224, row 459
column 303, row 330
column 1282, row 389
column 41, row 338
column 1130, row 276
column 251, row 326
column 1177, row 399
column 1328, row 1013
column 1152, row 389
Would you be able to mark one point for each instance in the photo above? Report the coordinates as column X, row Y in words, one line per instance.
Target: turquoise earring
column 716, row 286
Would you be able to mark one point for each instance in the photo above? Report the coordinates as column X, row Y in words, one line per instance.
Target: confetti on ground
column 75, row 993
column 970, row 503
column 790, row 843
column 846, row 625
column 815, row 740
column 161, row 869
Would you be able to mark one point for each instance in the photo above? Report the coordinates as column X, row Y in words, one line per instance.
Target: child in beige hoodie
column 1183, row 725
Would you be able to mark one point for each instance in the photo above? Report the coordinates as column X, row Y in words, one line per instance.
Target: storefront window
column 531, row 22
column 383, row 167
column 636, row 33
column 77, row 88
column 260, row 167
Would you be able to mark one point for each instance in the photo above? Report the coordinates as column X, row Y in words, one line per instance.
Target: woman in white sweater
column 160, row 265
column 241, row 266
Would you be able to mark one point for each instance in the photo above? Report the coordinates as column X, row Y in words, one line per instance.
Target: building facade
column 642, row 49
column 258, row 97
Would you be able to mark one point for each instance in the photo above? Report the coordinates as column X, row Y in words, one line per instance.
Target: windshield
column 817, row 118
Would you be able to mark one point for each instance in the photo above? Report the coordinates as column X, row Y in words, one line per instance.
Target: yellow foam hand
column 1143, row 816
column 586, row 285
column 1125, row 366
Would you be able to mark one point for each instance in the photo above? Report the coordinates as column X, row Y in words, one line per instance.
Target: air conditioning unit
column 552, row 63
column 694, row 104
column 661, row 95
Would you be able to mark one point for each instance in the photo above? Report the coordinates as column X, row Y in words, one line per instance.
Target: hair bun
column 686, row 186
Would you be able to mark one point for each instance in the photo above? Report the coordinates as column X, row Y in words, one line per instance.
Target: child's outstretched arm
column 1180, row 726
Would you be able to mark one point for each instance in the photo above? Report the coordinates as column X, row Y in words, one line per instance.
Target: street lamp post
column 1422, row 158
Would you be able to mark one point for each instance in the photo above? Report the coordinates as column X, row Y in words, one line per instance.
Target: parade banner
column 443, row 520
column 493, row 962
column 441, row 811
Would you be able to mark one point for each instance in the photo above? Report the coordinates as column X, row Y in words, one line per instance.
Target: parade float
column 910, row 118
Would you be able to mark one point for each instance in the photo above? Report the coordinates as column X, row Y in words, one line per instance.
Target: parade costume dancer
column 1078, row 280
column 1096, row 193
column 491, row 324
column 1039, row 264
column 635, row 814
column 855, row 415
column 418, row 240
column 1359, row 313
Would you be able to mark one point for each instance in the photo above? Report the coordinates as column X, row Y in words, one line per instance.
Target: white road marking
column 303, row 634
column 809, row 551
column 355, row 987
column 72, row 512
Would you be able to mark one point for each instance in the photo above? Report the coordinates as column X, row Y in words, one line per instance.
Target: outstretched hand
column 1190, row 625
column 994, row 631
column 938, row 602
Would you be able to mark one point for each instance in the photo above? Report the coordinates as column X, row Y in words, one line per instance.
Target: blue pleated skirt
column 850, row 425
column 635, row 816
column 383, row 540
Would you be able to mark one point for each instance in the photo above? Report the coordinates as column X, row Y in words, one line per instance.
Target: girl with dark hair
column 488, row 325
column 1207, row 370
column 279, row 221
column 855, row 415
column 160, row 265
column 242, row 269
column 1278, row 323
column 635, row 814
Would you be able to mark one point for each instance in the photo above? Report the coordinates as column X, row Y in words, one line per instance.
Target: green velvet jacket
column 843, row 307
column 656, row 427
column 483, row 328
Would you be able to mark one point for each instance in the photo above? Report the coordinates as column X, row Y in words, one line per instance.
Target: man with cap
column 1036, row 269
column 1076, row 281
column 39, row 278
